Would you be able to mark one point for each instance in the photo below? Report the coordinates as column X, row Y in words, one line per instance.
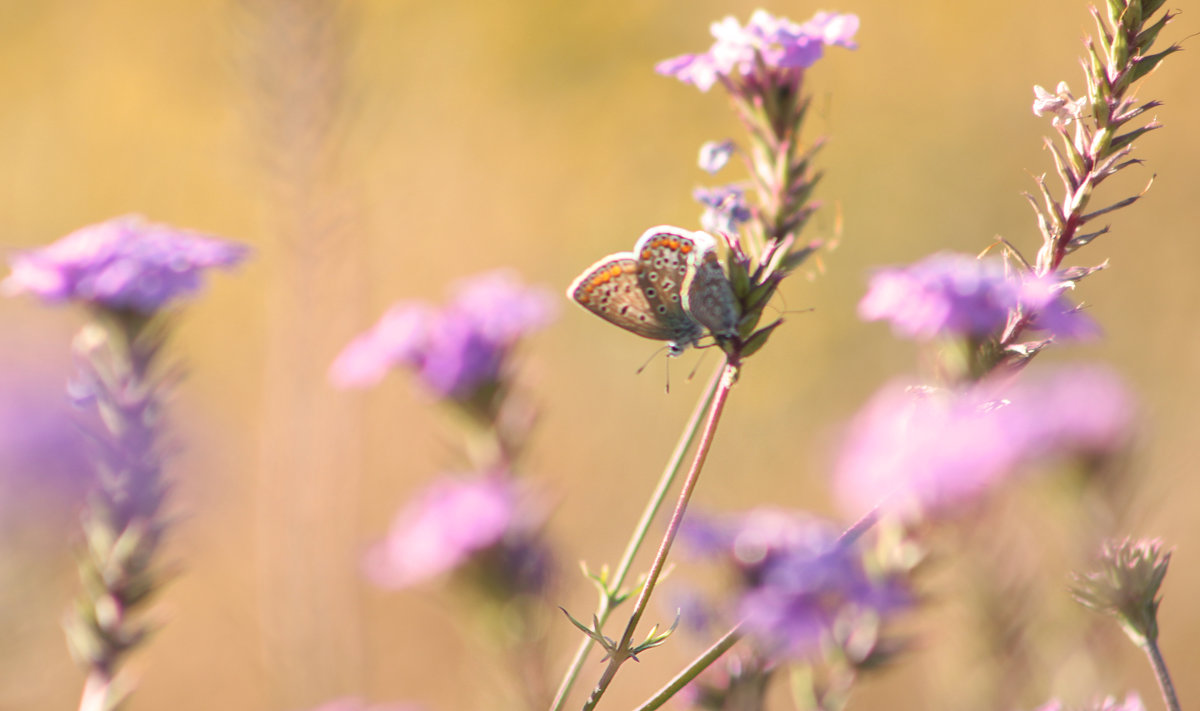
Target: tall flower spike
column 128, row 271
column 762, row 65
column 1096, row 137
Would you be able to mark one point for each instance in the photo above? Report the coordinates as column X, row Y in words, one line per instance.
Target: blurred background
column 372, row 151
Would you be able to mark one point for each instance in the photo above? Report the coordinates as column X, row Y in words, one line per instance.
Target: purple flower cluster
column 948, row 294
column 455, row 350
column 782, row 45
column 918, row 450
column 441, row 528
column 125, row 263
column 725, row 208
column 798, row 580
column 461, row 520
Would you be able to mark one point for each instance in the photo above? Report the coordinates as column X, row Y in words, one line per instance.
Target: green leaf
column 1149, row 7
column 759, row 339
column 799, row 256
column 1102, row 33
column 1131, row 19
column 1144, row 65
column 1115, row 8
column 1147, row 36
column 1125, row 139
column 592, row 632
column 1082, row 240
column 653, row 639
column 739, row 278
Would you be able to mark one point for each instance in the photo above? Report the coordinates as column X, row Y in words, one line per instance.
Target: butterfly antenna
column 785, row 311
column 652, row 357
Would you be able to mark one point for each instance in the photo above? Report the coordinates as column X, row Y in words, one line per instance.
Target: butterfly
column 669, row 288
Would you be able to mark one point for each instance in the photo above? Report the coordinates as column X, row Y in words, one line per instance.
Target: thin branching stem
column 665, row 481
column 728, row 375
column 685, row 677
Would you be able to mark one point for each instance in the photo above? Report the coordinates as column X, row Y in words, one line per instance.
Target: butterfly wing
column 611, row 289
column 662, row 254
column 707, row 294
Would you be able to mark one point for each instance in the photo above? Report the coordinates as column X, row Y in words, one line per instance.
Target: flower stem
column 1160, row 672
column 704, row 661
column 624, row 650
column 123, row 522
column 639, row 533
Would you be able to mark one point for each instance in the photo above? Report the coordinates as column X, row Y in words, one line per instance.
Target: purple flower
column 455, row 350
column 948, row 294
column 124, row 263
column 398, row 338
column 500, row 307
column 1065, row 107
column 490, row 522
column 919, row 450
column 446, row 524
column 798, row 580
column 715, row 154
column 1043, row 299
column 785, row 47
column 725, row 208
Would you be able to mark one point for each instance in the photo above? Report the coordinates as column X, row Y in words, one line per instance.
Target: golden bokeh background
column 374, row 150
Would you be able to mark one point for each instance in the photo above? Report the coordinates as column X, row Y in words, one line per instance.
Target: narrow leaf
column 1126, row 138
column 1082, row 240
column 1144, row 65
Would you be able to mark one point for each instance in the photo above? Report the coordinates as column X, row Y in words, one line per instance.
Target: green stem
column 704, row 661
column 624, row 647
column 639, row 534
column 1163, row 676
